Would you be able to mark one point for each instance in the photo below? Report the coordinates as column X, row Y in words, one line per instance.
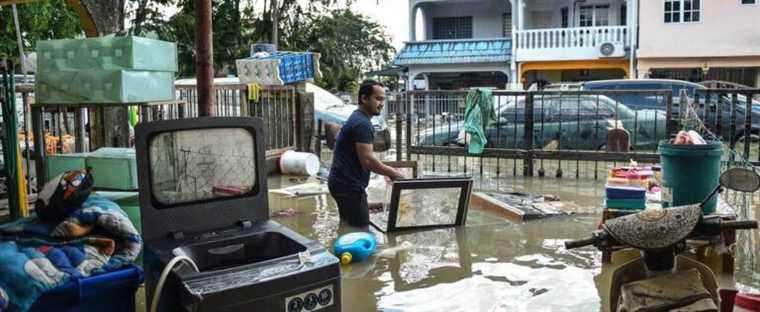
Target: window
column 623, row 15
column 458, row 27
column 686, row 11
column 594, row 15
column 507, row 20
column 565, row 13
column 749, row 1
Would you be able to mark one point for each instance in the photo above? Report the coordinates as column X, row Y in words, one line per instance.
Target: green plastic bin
column 626, row 204
column 59, row 163
column 691, row 172
column 103, row 86
column 114, row 168
column 106, row 53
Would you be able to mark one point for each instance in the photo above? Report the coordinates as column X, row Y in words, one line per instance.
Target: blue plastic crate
column 625, row 192
column 112, row 292
column 292, row 67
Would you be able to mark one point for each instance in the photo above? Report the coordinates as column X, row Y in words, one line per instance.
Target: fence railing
column 733, row 115
column 531, row 128
column 577, row 37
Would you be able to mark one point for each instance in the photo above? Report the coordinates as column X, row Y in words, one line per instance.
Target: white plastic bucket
column 297, row 163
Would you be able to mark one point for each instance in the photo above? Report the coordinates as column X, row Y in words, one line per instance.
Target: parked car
column 575, row 122
column 331, row 108
column 642, row 101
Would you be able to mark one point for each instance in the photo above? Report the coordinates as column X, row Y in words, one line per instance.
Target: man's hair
column 367, row 87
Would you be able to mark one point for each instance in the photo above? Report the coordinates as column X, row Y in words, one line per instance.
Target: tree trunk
column 109, row 125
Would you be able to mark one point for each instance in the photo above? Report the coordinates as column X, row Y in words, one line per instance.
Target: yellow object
column 23, row 202
column 345, row 258
column 253, row 92
column 622, row 64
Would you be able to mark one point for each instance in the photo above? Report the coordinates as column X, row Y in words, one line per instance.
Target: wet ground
column 490, row 264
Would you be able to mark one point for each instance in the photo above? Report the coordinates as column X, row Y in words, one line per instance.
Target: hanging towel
column 477, row 116
column 253, row 92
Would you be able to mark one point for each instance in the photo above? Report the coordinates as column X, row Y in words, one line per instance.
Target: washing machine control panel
column 312, row 300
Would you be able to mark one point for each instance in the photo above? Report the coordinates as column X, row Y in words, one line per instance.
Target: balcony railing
column 570, row 43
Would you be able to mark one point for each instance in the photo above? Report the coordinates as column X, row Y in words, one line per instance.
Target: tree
column 349, row 43
column 39, row 21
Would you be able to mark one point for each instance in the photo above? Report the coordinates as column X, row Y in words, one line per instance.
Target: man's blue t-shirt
column 347, row 172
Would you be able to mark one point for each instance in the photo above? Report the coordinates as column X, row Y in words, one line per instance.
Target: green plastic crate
column 59, row 163
column 113, row 169
column 106, row 53
column 103, row 87
column 626, row 204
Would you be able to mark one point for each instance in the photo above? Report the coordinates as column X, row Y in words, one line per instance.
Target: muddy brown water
column 490, row 264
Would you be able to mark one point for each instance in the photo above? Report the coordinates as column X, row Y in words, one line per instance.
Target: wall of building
column 487, row 16
column 728, row 28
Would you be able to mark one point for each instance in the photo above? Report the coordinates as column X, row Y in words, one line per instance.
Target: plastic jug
column 354, row 247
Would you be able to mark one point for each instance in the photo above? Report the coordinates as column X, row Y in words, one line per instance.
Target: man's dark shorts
column 352, row 207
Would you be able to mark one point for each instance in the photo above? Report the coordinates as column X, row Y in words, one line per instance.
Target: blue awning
column 455, row 52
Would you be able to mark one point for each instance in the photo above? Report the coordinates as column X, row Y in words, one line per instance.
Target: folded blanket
column 36, row 256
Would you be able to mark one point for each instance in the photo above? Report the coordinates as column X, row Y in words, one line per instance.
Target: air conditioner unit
column 611, row 49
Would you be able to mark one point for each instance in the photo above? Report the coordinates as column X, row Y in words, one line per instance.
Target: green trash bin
column 691, row 172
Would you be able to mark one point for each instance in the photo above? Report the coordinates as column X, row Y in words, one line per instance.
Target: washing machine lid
column 201, row 174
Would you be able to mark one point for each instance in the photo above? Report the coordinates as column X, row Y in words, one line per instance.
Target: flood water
column 490, row 264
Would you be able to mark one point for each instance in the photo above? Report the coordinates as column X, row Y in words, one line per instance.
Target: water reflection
column 490, row 264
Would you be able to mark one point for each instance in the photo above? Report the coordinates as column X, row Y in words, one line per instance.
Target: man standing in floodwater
column 353, row 157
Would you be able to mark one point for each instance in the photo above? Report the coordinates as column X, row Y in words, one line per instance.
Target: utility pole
column 204, row 58
column 19, row 40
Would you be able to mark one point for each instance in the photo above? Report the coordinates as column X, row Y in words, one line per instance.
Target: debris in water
column 391, row 252
column 287, row 212
column 306, row 189
column 521, row 206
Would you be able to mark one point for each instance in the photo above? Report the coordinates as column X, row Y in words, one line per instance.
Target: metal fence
column 566, row 133
column 734, row 115
column 531, row 131
column 275, row 105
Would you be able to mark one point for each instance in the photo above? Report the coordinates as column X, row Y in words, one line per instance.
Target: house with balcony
column 698, row 40
column 493, row 43
column 462, row 44
column 573, row 40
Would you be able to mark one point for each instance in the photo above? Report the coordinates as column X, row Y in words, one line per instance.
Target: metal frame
column 405, row 164
column 465, row 185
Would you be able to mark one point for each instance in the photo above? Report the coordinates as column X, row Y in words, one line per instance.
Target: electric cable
column 164, row 275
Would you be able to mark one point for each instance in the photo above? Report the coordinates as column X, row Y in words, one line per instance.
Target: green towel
column 477, row 117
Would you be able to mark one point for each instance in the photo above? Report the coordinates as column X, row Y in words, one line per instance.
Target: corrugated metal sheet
column 455, row 52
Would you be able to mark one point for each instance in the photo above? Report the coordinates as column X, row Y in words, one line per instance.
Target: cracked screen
column 434, row 206
column 197, row 165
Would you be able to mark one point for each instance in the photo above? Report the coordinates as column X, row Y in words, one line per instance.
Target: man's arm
column 369, row 162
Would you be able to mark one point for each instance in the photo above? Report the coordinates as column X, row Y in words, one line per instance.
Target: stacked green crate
column 56, row 164
column 105, row 70
column 114, row 168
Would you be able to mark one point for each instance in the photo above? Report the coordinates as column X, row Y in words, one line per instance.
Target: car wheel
column 754, row 140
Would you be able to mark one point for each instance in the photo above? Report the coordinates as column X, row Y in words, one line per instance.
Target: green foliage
column 39, row 21
column 349, row 43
